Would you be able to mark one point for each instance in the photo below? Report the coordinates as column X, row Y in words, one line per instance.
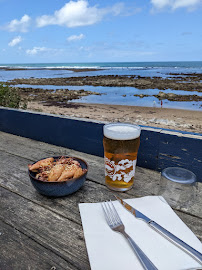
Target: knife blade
column 168, row 235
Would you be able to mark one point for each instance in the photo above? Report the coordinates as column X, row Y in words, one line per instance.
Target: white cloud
column 72, row 14
column 174, row 4
column 43, row 50
column 15, row 41
column 78, row 13
column 75, row 37
column 36, row 50
column 117, row 8
column 121, row 9
column 19, row 25
column 186, row 3
column 160, row 3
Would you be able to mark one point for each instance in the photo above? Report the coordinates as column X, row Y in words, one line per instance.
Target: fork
column 117, row 225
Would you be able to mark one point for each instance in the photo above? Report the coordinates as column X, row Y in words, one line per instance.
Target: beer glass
column 121, row 142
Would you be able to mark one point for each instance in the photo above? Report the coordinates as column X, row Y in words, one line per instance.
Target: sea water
column 110, row 95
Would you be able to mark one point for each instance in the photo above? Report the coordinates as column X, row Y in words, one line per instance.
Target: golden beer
column 121, row 142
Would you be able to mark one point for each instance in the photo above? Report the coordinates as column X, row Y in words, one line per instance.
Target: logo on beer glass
column 110, row 167
column 124, row 170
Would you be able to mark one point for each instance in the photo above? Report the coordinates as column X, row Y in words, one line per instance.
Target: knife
column 171, row 237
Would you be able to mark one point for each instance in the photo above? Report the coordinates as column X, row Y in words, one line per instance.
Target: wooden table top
column 37, row 232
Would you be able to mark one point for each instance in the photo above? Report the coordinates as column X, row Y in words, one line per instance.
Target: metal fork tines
column 115, row 223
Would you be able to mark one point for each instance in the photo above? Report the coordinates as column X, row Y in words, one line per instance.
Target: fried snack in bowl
column 41, row 164
column 58, row 176
column 55, row 172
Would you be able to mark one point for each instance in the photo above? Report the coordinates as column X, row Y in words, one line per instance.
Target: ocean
column 184, row 65
column 110, row 95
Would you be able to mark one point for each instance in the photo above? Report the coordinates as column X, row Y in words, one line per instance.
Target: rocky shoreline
column 59, row 96
column 56, row 101
column 186, row 82
column 172, row 97
column 47, row 96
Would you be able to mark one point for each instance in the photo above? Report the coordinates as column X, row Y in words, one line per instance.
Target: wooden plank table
column 37, row 232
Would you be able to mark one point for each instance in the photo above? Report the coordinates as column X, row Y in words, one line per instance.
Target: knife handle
column 178, row 242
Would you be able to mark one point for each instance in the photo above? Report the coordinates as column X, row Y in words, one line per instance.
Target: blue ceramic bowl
column 62, row 188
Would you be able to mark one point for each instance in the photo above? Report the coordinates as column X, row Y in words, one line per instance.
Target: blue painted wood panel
column 159, row 148
column 74, row 134
column 185, row 151
column 149, row 149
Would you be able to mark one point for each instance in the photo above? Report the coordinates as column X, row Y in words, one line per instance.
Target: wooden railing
column 159, row 148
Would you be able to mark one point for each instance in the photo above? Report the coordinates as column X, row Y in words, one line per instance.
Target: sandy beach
column 62, row 101
column 157, row 117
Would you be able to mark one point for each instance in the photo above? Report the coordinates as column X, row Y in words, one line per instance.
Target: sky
column 58, row 31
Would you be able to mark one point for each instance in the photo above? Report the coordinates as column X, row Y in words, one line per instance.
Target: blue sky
column 100, row 31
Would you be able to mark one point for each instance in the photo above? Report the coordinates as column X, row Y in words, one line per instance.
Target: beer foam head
column 121, row 131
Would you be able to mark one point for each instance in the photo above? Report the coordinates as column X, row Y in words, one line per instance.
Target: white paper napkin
column 109, row 250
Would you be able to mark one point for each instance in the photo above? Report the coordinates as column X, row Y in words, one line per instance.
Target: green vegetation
column 10, row 97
